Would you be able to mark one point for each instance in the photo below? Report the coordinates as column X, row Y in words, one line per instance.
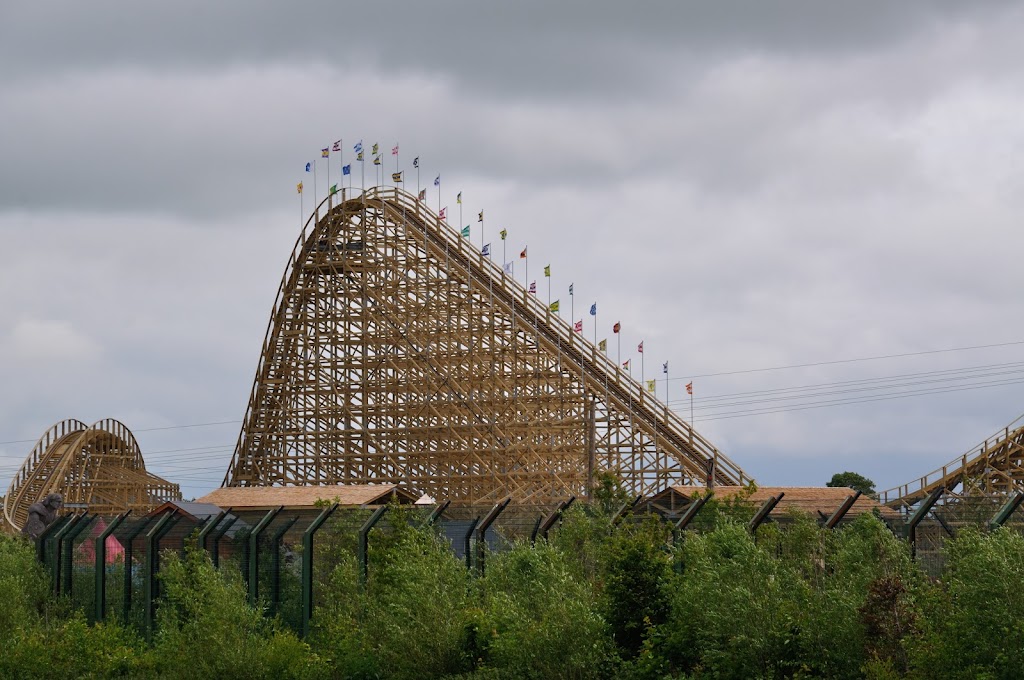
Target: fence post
column 628, row 505
column 58, row 539
column 481, row 532
column 436, row 513
column 762, row 514
column 217, row 535
column 307, row 566
column 691, row 512
column 53, row 528
column 275, row 571
column 841, row 511
column 1008, row 509
column 254, row 554
column 469, row 542
column 919, row 514
column 153, row 537
column 100, row 603
column 126, row 604
column 364, row 543
column 68, row 553
column 207, row 528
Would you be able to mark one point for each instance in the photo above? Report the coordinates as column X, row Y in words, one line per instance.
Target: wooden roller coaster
column 398, row 353
column 95, row 467
column 994, row 467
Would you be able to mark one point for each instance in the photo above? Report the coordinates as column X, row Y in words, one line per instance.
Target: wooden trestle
column 994, row 467
column 96, row 467
column 397, row 353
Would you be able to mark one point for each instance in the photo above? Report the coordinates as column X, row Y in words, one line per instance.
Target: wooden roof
column 260, row 497
column 810, row 499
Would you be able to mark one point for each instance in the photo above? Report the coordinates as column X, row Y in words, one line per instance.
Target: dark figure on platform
column 41, row 514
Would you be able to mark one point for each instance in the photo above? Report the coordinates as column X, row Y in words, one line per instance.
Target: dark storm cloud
column 508, row 48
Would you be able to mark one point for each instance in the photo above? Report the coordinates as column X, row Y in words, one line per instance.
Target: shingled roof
column 293, row 497
column 810, row 499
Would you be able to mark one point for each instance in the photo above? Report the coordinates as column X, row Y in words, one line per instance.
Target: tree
column 854, row 481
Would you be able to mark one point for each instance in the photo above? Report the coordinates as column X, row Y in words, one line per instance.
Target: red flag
column 617, row 327
column 578, row 326
column 689, row 388
column 442, row 213
column 533, row 287
column 640, row 347
column 423, row 194
column 625, row 364
column 522, row 255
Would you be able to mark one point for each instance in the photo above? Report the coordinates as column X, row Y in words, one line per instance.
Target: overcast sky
column 743, row 185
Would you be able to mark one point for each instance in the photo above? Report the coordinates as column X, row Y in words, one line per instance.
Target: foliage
column 854, row 481
column 600, row 599
column 539, row 619
column 974, row 626
column 207, row 629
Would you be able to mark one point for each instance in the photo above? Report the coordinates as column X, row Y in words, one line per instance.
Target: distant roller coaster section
column 97, row 467
column 398, row 353
column 994, row 466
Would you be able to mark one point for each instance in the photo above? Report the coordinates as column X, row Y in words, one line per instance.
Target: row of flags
column 553, row 306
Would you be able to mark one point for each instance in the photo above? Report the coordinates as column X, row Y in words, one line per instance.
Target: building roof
column 810, row 499
column 191, row 509
column 260, row 497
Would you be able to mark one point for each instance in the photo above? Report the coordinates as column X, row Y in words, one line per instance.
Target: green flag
column 465, row 231
column 554, row 306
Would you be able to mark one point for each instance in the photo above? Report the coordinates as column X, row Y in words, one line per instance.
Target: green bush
column 205, row 628
column 974, row 626
column 539, row 619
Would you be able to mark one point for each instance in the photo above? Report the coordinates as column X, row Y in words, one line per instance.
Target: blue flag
column 487, row 250
column 346, row 169
column 437, row 181
column 593, row 309
column 416, row 162
column 358, row 148
column 308, row 166
column 570, row 289
column 664, row 368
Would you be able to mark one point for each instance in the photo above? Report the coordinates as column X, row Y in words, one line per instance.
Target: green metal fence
column 109, row 566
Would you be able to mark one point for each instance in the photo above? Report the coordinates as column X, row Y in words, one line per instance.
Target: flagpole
column 549, row 287
column 642, row 375
column 460, row 211
column 572, row 305
column 328, row 174
column 691, row 411
column 618, row 344
column 315, row 161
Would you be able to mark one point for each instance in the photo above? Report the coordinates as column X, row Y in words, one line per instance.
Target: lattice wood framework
column 996, row 466
column 98, row 467
column 397, row 353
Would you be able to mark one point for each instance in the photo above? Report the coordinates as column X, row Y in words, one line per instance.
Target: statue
column 41, row 514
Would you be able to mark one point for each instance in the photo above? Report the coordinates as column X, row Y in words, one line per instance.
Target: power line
column 850, row 361
column 147, row 429
column 846, row 402
column 730, row 401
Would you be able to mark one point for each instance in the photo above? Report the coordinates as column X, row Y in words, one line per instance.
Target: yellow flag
column 603, row 345
column 547, row 270
column 554, row 306
column 299, row 187
column 650, row 386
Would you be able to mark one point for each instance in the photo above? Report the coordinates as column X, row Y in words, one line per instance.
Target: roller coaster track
column 397, row 352
column 994, row 466
column 98, row 467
